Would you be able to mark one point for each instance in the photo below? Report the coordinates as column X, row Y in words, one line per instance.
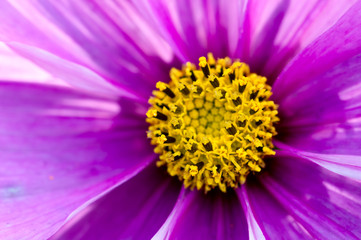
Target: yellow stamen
column 212, row 125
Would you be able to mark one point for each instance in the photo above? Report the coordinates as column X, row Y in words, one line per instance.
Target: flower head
column 212, row 126
column 85, row 155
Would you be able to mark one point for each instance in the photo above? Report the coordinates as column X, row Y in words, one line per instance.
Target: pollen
column 212, row 124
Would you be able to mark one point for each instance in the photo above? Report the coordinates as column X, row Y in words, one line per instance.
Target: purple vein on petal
column 131, row 210
column 319, row 200
column 58, row 145
column 334, row 46
column 207, row 216
column 254, row 230
column 346, row 165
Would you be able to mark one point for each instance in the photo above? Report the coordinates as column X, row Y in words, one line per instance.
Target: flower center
column 212, row 126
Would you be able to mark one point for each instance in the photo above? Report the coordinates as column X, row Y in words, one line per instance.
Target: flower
column 75, row 80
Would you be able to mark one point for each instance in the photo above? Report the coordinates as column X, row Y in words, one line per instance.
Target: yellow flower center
column 213, row 125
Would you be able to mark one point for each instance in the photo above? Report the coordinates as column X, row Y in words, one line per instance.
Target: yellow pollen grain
column 214, row 111
column 199, row 103
column 218, row 118
column 203, row 112
column 203, row 121
column 218, row 104
column 208, row 105
column 212, row 124
column 194, row 114
column 195, row 123
column 201, row 129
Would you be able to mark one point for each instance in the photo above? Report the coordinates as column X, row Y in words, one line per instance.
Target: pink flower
column 75, row 78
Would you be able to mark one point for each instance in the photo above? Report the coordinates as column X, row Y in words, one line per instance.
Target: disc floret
column 212, row 125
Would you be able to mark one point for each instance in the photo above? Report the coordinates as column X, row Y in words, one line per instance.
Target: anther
column 220, row 72
column 237, row 101
column 161, row 106
column 230, row 128
column 157, row 114
column 177, row 156
column 241, row 123
column 232, row 76
column 170, row 140
column 216, row 123
column 200, row 165
column 193, row 149
column 204, row 66
column 164, row 88
column 214, row 81
column 183, row 89
column 197, row 89
column 207, row 144
column 241, row 88
column 193, row 77
column 251, row 111
column 253, row 95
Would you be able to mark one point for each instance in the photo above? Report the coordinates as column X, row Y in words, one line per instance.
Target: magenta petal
column 331, row 97
column 261, row 47
column 323, row 203
column 280, row 29
column 13, row 67
column 339, row 43
column 23, row 23
column 59, row 149
column 75, row 75
column 195, row 27
column 275, row 222
column 134, row 210
column 254, row 230
column 110, row 38
column 345, row 165
column 324, row 115
column 206, row 216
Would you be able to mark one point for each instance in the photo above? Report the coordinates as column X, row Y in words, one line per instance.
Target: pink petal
column 20, row 23
column 194, row 28
column 110, row 38
column 321, row 202
column 136, row 209
column 75, row 75
column 338, row 44
column 205, row 216
column 324, row 115
column 13, row 67
column 280, row 29
column 345, row 165
column 275, row 222
column 59, row 149
column 254, row 230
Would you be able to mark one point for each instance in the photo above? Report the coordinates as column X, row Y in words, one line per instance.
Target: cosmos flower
column 76, row 77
